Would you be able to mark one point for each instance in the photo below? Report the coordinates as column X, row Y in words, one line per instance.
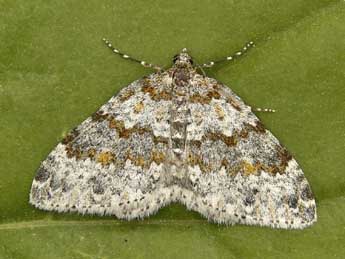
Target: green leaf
column 55, row 71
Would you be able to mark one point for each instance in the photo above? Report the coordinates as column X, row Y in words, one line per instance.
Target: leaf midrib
column 63, row 223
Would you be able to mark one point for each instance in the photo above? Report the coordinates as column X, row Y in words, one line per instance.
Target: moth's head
column 183, row 59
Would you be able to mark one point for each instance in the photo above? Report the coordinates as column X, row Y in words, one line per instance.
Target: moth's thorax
column 182, row 76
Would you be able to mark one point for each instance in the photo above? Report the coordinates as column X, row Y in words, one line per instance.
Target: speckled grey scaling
column 176, row 135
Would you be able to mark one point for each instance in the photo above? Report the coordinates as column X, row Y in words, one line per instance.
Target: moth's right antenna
column 232, row 57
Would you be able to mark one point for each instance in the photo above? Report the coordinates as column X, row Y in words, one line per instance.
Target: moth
column 176, row 135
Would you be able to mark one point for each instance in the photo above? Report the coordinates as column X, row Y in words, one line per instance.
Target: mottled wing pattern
column 113, row 162
column 176, row 136
column 238, row 172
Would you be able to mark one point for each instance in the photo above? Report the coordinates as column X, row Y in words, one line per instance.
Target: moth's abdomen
column 179, row 120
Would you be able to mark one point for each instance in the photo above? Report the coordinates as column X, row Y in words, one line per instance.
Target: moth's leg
column 201, row 69
column 264, row 110
column 125, row 56
column 232, row 57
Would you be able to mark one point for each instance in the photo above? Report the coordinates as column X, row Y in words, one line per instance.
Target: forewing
column 113, row 162
column 238, row 171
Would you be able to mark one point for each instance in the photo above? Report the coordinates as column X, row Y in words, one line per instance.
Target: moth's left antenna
column 125, row 56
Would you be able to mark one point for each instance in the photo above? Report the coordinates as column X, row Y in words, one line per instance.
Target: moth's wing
column 113, row 162
column 238, row 171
